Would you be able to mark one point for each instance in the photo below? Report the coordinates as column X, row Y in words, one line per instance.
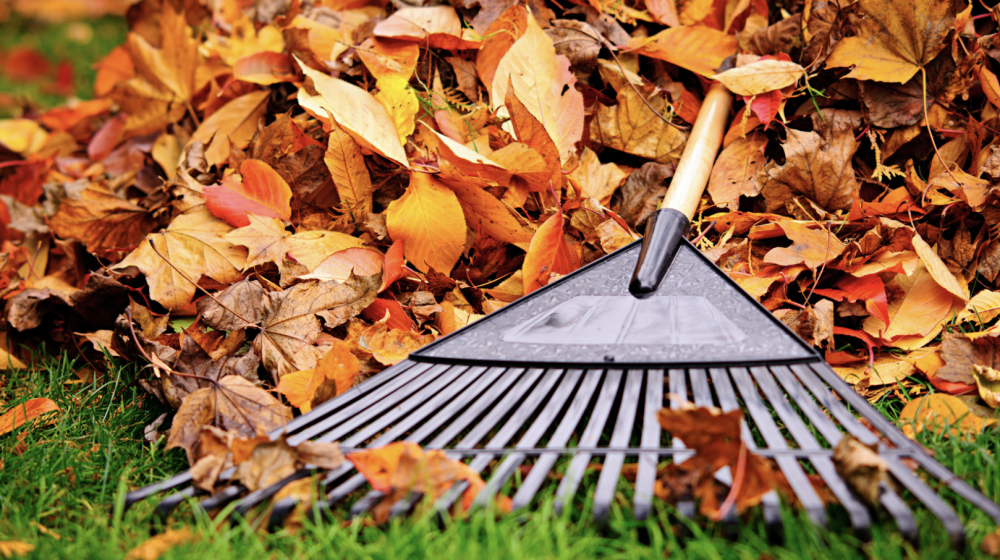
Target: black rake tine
column 891, row 501
column 703, row 397
column 678, row 388
column 727, row 402
column 543, row 465
column 790, row 466
column 645, row 479
column 928, row 497
column 524, row 378
column 607, row 482
column 513, row 425
column 564, row 390
column 856, row 511
column 591, row 435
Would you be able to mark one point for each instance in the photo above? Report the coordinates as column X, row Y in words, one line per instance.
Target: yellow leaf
column 895, row 39
column 886, row 370
column 761, row 76
column 356, row 110
column 938, row 270
column 10, row 549
column 395, row 95
column 194, row 245
column 539, row 78
column 595, row 179
column 267, row 240
column 988, row 383
column 484, row 212
column 167, row 152
column 160, row 544
column 428, row 219
column 983, row 308
column 941, row 414
column 812, row 247
column 350, row 174
column 235, row 122
column 23, row 136
column 631, row 127
column 921, row 310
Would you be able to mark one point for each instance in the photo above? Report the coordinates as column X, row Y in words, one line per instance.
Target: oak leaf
column 542, row 81
column 895, row 39
column 257, row 190
column 101, row 220
column 290, row 320
column 429, row 220
column 194, row 246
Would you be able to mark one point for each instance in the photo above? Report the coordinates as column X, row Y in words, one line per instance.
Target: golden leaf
column 429, row 219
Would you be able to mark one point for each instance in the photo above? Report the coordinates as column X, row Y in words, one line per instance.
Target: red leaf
column 105, row 140
column 393, row 265
column 951, row 387
column 548, row 253
column 264, row 68
column 765, row 105
column 398, row 319
column 260, row 191
column 870, row 289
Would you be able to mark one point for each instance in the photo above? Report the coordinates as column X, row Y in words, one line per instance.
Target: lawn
column 62, row 486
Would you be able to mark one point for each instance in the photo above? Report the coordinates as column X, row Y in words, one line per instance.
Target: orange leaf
column 25, row 412
column 378, row 465
column 261, row 191
column 391, row 346
column 942, row 414
column 398, row 319
column 813, row 247
column 429, row 220
column 340, row 265
column 548, row 253
column 435, row 26
column 696, row 48
column 499, row 37
column 264, row 68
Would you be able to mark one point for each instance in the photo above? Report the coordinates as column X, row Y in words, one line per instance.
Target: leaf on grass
column 101, row 220
column 861, row 467
column 257, row 190
column 429, row 220
column 194, row 245
column 28, row 411
column 542, row 81
column 290, row 320
column 942, row 414
column 548, row 254
column 158, row 545
column 10, row 549
column 336, row 372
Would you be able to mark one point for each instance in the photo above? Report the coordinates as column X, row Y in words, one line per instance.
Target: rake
column 575, row 373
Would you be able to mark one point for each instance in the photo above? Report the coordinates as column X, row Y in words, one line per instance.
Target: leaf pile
column 272, row 200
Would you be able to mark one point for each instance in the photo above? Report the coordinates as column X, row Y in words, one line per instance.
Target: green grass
column 63, row 41
column 99, row 436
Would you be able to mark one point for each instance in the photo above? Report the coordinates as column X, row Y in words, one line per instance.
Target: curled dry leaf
column 548, row 254
column 736, row 171
column 861, row 467
column 102, row 220
column 942, row 414
column 390, row 346
column 28, row 411
column 336, row 372
column 233, row 124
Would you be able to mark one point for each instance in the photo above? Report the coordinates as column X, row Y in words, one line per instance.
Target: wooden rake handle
column 667, row 227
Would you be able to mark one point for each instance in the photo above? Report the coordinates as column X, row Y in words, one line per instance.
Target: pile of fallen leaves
column 268, row 201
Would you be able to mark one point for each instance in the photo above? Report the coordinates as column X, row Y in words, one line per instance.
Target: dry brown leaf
column 861, row 467
column 736, row 171
column 233, row 124
column 102, row 220
column 812, row 247
column 816, row 168
column 632, row 127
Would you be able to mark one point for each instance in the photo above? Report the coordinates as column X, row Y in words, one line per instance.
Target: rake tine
column 678, row 388
column 930, row 498
column 703, row 397
column 525, row 379
column 498, row 441
column 645, row 479
column 591, row 435
column 169, row 484
column 363, row 389
column 727, row 402
column 262, row 494
column 898, row 509
column 545, row 419
column 222, row 497
column 772, row 435
column 856, row 511
column 540, row 470
column 168, row 504
column 604, row 493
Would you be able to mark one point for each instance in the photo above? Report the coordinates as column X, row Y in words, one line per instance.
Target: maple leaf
column 101, row 220
column 191, row 247
column 258, row 190
column 428, row 219
column 233, row 404
column 290, row 320
column 817, row 168
column 895, row 39
column 541, row 80
column 267, row 241
column 164, row 77
column 632, row 127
